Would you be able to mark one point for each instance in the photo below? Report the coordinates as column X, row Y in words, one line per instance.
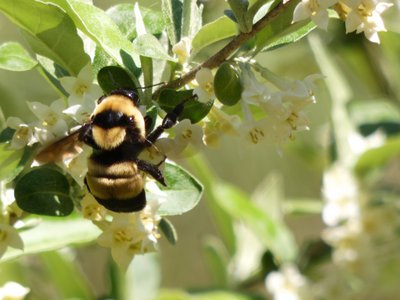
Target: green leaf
column 51, row 72
column 14, row 57
column 143, row 277
column 123, row 15
column 9, row 160
column 193, row 110
column 272, row 232
column 44, row 29
column 227, row 84
column 239, row 9
column 279, row 27
column 53, row 234
column 172, row 16
column 148, row 45
column 183, row 191
column 217, row 258
column 377, row 157
column 112, row 78
column 213, row 294
column 66, row 275
column 213, row 32
column 168, row 230
column 6, row 134
column 292, row 34
column 44, row 191
column 98, row 26
column 191, row 18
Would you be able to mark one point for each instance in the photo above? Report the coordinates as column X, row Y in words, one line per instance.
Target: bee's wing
column 62, row 149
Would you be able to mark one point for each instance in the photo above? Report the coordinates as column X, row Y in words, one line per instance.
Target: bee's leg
column 151, row 169
column 169, row 121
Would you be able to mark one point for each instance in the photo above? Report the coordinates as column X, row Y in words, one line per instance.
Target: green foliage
column 183, row 191
column 54, row 233
column 43, row 29
column 14, row 57
column 193, row 110
column 44, row 191
column 213, row 32
column 227, row 84
column 112, row 78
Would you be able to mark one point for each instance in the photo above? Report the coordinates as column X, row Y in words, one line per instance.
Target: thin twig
column 218, row 58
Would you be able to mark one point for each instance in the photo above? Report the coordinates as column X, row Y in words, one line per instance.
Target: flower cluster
column 359, row 15
column 127, row 234
column 363, row 235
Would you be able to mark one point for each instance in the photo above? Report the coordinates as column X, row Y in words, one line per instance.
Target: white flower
column 76, row 165
column 314, row 9
column 288, row 284
column 123, row 237
column 82, row 94
column 91, row 209
column 219, row 123
column 131, row 233
column 254, row 92
column 52, row 124
column 13, row 291
column 340, row 191
column 182, row 49
column 205, row 89
column 185, row 133
column 9, row 237
column 365, row 16
column 23, row 134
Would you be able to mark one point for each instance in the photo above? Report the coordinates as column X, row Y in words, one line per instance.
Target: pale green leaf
column 213, row 32
column 49, row 31
column 14, row 57
column 52, row 234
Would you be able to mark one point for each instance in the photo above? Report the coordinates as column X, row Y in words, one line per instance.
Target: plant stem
column 218, row 58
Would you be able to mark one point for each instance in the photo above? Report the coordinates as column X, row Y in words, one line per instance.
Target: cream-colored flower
column 314, row 9
column 365, row 16
column 91, row 209
column 288, row 284
column 341, row 194
column 23, row 134
column 13, row 291
column 51, row 120
column 205, row 89
column 9, row 237
column 83, row 94
column 182, row 49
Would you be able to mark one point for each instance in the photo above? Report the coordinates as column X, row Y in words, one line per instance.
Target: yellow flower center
column 51, row 120
column 122, row 236
column 22, row 132
column 256, row 134
column 187, row 134
column 81, row 89
column 364, row 11
column 209, row 87
column 292, row 120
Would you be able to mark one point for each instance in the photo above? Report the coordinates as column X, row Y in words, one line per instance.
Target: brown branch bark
column 218, row 58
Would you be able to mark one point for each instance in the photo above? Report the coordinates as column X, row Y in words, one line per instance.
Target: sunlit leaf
column 213, row 32
column 49, row 31
column 183, row 191
column 14, row 57
column 52, row 234
column 172, row 16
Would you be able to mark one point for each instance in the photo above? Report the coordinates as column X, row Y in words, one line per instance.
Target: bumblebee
column 118, row 132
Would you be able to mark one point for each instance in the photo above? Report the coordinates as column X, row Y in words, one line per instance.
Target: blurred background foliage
column 199, row 261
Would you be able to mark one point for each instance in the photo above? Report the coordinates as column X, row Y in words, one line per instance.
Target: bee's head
column 129, row 93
